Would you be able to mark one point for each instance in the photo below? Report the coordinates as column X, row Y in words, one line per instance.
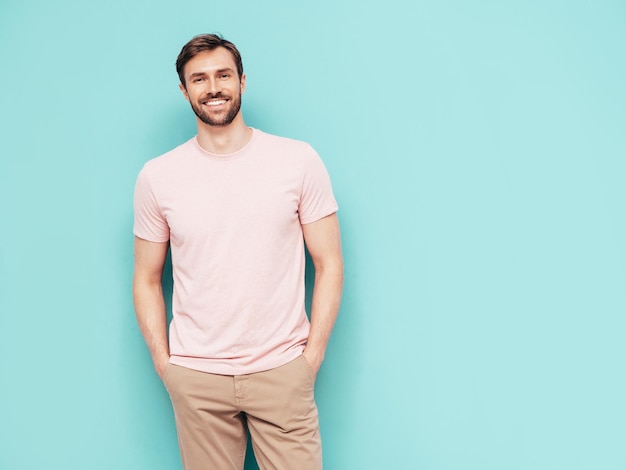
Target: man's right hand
column 148, row 299
column 160, row 365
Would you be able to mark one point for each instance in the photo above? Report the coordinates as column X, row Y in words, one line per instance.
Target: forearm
column 151, row 317
column 324, row 309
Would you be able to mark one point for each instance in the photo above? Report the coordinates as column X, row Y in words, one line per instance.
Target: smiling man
column 236, row 206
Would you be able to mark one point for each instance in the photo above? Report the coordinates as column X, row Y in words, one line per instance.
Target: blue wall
column 477, row 151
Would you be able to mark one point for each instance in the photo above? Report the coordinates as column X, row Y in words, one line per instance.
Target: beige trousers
column 277, row 407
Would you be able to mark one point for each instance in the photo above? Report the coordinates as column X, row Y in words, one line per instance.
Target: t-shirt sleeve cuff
column 151, row 237
column 319, row 215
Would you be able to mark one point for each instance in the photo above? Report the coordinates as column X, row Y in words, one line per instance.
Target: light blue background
column 477, row 151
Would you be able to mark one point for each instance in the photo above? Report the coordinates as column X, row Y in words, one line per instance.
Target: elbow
column 333, row 268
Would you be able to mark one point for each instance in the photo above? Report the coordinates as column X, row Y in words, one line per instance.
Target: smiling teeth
column 215, row 103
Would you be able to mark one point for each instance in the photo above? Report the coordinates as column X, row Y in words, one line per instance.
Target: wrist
column 314, row 357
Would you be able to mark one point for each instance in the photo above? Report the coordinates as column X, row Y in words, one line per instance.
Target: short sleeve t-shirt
column 234, row 227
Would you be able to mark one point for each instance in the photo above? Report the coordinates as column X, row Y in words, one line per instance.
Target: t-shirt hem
column 220, row 368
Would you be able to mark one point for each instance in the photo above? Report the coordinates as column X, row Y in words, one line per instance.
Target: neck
column 223, row 140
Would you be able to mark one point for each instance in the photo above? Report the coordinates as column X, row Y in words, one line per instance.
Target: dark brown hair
column 203, row 43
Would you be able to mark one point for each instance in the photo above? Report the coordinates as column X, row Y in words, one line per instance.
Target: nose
column 214, row 87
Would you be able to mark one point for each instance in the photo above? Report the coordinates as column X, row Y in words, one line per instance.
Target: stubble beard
column 235, row 106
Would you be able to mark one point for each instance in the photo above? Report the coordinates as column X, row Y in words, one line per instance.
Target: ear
column 184, row 90
column 242, row 83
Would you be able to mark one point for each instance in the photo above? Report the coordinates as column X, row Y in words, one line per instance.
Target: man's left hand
column 314, row 360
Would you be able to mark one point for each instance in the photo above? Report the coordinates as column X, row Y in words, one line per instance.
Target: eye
column 225, row 75
column 198, row 80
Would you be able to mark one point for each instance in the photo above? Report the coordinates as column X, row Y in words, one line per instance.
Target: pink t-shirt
column 234, row 226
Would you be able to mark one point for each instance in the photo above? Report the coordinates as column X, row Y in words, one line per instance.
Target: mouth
column 214, row 103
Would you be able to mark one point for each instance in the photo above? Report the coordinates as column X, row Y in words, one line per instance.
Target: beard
column 222, row 119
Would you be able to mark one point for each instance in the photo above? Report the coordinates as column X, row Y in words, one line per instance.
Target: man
column 235, row 206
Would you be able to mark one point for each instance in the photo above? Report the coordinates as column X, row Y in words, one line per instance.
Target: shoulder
column 170, row 160
column 281, row 142
column 285, row 147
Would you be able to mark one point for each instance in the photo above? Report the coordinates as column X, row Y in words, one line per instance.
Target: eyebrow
column 200, row 74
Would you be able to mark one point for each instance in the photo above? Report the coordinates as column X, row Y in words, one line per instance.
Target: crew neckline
column 227, row 156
